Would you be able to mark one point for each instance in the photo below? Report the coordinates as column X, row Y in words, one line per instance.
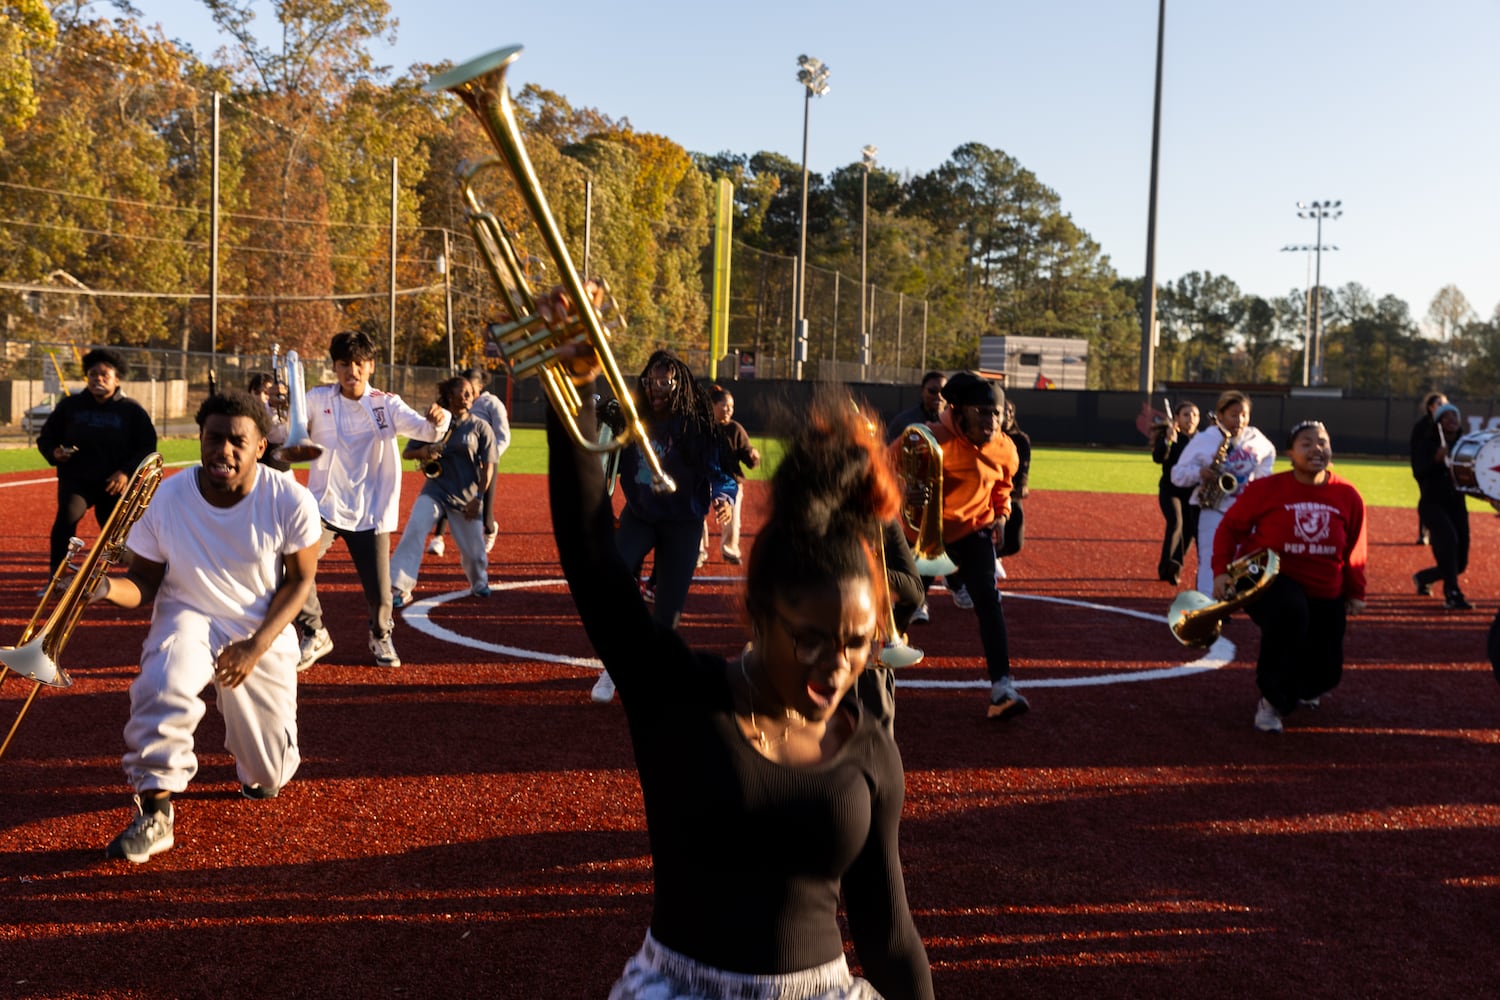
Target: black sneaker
column 149, row 833
column 1457, row 602
column 259, row 792
column 1423, row 589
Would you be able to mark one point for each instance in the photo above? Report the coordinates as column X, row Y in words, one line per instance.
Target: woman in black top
column 1167, row 441
column 768, row 790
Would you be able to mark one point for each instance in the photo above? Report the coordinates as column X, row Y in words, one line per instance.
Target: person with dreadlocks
column 686, row 438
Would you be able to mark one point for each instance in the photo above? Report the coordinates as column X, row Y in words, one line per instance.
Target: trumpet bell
column 1190, row 622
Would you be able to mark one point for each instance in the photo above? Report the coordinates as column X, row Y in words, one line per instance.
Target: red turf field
column 470, row 825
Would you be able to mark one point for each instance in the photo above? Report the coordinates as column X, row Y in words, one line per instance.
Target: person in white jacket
column 357, row 483
column 1250, row 455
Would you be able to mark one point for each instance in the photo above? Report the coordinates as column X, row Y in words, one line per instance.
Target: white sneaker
column 920, row 615
column 961, row 597
column 604, row 689
column 1267, row 719
column 384, row 650
column 489, row 539
column 437, row 546
column 314, row 648
column 999, row 568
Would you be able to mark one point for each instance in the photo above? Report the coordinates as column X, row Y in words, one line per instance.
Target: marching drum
column 1476, row 464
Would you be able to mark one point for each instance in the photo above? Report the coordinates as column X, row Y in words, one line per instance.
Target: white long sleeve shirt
column 1252, row 456
column 357, row 479
column 491, row 410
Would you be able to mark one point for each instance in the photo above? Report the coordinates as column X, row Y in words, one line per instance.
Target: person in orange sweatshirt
column 980, row 463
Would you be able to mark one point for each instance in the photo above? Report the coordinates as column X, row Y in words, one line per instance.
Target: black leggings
column 1447, row 520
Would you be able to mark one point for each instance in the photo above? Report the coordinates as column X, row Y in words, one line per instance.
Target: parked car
column 33, row 419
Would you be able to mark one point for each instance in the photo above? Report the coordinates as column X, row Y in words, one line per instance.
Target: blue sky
column 1387, row 106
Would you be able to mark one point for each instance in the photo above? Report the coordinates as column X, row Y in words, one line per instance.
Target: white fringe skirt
column 659, row 973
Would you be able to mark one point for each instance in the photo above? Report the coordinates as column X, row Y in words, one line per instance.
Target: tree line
column 106, row 179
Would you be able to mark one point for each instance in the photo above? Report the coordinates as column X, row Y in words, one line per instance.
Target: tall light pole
column 1318, row 210
column 813, row 75
column 1148, row 292
column 864, row 287
column 1307, row 307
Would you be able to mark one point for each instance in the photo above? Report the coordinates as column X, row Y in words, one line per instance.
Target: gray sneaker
column 148, row 833
column 384, row 650
column 961, row 598
column 1005, row 701
column 314, row 647
column 1267, row 719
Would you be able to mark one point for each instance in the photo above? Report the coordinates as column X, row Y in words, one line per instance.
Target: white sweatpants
column 729, row 534
column 260, row 716
column 1208, row 523
column 406, row 561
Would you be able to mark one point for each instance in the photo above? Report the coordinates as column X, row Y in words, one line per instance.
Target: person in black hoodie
column 1167, row 441
column 95, row 438
column 1443, row 510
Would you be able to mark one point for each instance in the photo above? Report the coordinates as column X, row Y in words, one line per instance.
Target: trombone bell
column 32, row 662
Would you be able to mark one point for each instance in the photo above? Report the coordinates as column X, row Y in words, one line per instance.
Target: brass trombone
column 922, row 462
column 35, row 656
column 531, row 341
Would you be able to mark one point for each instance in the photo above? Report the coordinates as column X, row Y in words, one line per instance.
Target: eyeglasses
column 811, row 649
column 661, row 383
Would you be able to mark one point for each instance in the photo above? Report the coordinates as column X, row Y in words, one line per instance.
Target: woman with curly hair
column 769, row 792
column 681, row 429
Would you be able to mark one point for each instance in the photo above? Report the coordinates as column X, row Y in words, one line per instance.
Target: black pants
column 1015, row 529
column 371, row 553
column 1301, row 644
column 676, row 546
column 876, row 686
column 975, row 555
column 73, row 501
column 1181, row 531
column 1447, row 521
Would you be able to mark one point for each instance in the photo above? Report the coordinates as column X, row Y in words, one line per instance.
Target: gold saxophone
column 1220, row 484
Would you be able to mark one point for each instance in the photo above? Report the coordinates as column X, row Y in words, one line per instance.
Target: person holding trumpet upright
column 1216, row 464
column 980, row 463
column 1315, row 522
column 225, row 553
column 459, row 470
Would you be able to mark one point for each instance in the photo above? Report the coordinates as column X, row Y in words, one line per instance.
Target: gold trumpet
column 531, row 341
column 922, row 462
column 1196, row 619
column 35, row 656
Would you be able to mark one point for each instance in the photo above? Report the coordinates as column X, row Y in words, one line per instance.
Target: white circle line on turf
column 1218, row 655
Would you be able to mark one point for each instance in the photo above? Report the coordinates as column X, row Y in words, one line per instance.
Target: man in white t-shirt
column 225, row 552
column 357, row 483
